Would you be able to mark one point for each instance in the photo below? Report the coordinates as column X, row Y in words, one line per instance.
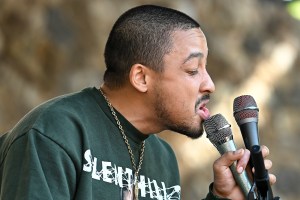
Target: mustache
column 205, row 97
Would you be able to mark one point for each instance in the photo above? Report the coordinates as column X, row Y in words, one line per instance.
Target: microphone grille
column 217, row 129
column 244, row 107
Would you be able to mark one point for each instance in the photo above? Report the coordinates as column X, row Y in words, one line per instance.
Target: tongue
column 205, row 113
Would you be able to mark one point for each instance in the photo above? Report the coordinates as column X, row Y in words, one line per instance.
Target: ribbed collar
column 130, row 131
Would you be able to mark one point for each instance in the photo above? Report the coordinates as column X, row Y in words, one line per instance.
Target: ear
column 138, row 77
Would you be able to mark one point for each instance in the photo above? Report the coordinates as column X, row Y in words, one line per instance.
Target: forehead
column 189, row 41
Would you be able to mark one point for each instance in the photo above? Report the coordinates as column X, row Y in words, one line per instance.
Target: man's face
column 181, row 91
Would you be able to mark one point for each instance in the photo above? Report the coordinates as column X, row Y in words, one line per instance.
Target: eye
column 193, row 72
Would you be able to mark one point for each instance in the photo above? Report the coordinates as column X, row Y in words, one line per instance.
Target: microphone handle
column 261, row 175
column 250, row 134
column 249, row 130
column 242, row 179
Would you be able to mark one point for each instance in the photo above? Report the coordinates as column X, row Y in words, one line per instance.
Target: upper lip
column 203, row 103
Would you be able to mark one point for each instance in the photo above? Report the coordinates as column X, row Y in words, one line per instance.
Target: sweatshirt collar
column 130, row 131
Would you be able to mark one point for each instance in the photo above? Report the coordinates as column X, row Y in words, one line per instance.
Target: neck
column 134, row 106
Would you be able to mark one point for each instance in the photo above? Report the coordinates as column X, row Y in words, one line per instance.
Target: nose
column 207, row 85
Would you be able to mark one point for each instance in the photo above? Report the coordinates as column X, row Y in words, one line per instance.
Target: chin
column 191, row 133
column 192, row 129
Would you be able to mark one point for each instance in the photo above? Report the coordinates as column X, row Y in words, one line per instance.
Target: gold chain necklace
column 136, row 169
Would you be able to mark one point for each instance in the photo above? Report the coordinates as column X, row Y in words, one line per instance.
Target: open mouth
column 203, row 110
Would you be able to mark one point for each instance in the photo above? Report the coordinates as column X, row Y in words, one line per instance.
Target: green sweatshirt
column 70, row 147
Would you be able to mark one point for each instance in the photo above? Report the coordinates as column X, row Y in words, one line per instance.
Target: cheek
column 178, row 96
column 185, row 105
column 185, row 97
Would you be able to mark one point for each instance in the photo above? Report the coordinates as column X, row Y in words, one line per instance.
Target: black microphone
column 245, row 112
column 219, row 133
column 261, row 175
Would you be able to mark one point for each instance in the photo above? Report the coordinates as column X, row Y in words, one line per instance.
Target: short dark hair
column 141, row 35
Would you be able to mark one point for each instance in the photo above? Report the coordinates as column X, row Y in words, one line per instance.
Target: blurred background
column 49, row 48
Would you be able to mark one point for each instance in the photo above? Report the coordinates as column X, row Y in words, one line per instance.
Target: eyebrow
column 193, row 55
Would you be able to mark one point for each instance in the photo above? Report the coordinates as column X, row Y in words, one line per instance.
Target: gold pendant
column 136, row 191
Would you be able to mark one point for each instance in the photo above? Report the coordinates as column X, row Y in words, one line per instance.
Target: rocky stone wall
column 48, row 48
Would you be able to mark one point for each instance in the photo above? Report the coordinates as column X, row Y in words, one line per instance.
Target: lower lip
column 204, row 113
